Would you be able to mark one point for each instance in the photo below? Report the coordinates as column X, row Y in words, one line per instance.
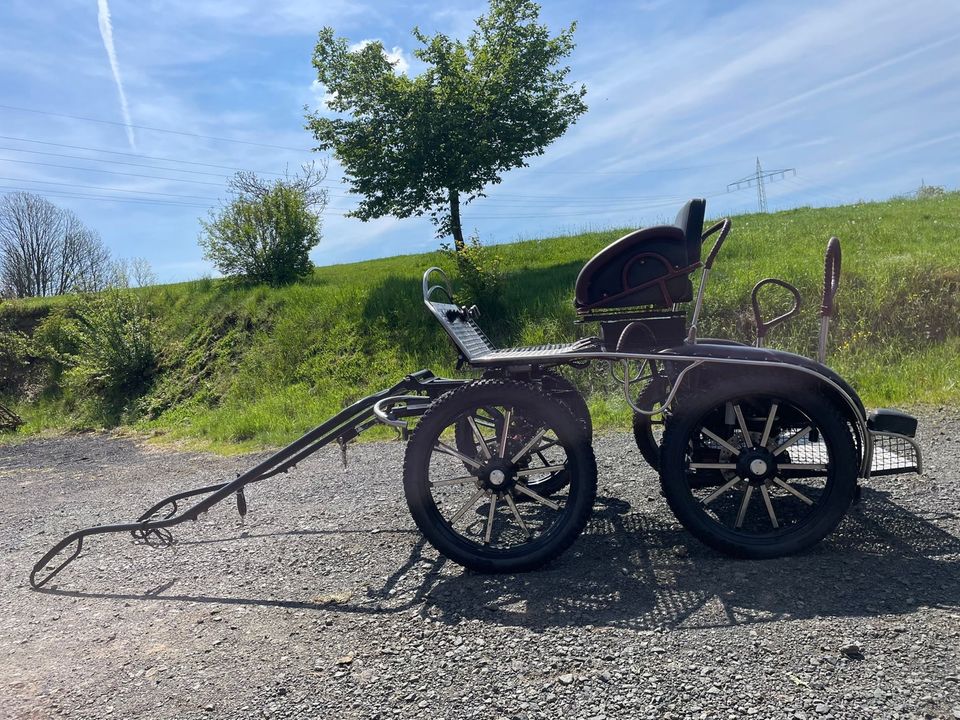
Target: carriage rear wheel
column 466, row 503
column 759, row 468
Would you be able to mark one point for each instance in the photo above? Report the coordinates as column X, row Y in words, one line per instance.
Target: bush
column 480, row 271
column 15, row 353
column 109, row 345
column 266, row 233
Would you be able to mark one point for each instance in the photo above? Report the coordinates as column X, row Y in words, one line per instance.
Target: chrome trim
column 698, row 306
column 381, row 409
column 665, row 404
column 822, row 342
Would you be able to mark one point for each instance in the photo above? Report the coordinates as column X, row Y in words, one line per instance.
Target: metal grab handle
column 724, row 227
column 831, row 277
column 428, row 289
column 764, row 327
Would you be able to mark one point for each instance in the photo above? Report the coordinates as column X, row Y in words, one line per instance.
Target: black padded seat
column 648, row 267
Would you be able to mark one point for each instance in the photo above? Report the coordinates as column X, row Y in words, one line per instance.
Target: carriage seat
column 476, row 349
column 648, row 267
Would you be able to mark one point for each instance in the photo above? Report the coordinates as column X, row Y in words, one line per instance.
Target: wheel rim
column 485, row 493
column 758, row 467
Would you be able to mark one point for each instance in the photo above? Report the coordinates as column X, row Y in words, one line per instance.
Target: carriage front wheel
column 481, row 508
column 759, row 468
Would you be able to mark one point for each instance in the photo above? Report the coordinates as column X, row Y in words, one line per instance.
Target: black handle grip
column 764, row 327
column 831, row 277
column 724, row 227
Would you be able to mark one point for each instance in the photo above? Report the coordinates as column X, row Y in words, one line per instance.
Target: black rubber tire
column 837, row 495
column 566, row 392
column 582, row 477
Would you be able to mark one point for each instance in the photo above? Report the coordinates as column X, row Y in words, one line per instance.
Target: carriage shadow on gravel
column 635, row 570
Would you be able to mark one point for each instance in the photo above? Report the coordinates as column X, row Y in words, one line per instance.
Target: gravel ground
column 327, row 603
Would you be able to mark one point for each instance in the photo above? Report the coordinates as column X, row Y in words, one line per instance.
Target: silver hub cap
column 758, row 467
column 497, row 477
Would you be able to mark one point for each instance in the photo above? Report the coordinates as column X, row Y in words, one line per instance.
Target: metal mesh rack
column 894, row 455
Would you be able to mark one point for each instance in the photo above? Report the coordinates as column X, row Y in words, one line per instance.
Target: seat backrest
column 690, row 220
column 648, row 267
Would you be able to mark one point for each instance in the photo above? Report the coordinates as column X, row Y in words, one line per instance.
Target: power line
column 151, row 129
column 136, row 155
column 111, row 172
column 110, row 189
column 111, row 162
column 105, row 198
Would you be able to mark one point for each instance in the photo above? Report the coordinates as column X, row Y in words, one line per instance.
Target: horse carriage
column 760, row 452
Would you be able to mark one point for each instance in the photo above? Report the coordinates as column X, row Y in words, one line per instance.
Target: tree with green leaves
column 265, row 234
column 424, row 144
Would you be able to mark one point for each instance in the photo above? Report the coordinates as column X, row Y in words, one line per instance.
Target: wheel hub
column 498, row 475
column 756, row 465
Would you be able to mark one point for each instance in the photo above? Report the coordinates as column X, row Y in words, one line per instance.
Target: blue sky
column 861, row 97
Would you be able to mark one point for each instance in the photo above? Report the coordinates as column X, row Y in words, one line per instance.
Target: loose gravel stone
column 252, row 620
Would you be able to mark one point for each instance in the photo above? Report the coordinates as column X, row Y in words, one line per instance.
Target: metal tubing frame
column 342, row 427
column 573, row 357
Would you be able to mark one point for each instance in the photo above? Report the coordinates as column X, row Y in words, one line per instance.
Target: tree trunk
column 455, row 227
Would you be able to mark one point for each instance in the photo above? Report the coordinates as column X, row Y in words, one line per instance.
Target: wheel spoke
column 469, row 504
column 793, row 438
column 802, row 466
column 536, row 496
column 713, row 466
column 479, row 436
column 526, row 448
column 792, row 490
column 493, row 509
column 747, row 441
column 769, row 426
column 546, row 468
column 453, row 481
column 766, row 501
column 541, row 448
column 516, row 514
column 744, row 505
column 506, row 430
column 447, row 450
column 717, row 439
column 720, row 491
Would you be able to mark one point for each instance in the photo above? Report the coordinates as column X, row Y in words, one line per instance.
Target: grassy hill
column 242, row 367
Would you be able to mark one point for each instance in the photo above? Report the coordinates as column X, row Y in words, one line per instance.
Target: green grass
column 248, row 367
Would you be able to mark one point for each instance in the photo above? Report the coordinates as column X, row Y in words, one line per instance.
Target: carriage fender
column 797, row 367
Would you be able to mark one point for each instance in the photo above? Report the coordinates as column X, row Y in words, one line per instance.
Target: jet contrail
column 106, row 32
